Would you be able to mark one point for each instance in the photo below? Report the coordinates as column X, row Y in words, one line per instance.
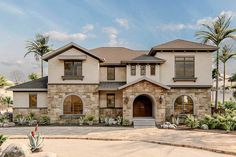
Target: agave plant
column 36, row 140
column 2, row 139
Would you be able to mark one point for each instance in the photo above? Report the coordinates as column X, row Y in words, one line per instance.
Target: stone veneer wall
column 57, row 93
column 201, row 99
column 110, row 112
column 26, row 111
column 149, row 89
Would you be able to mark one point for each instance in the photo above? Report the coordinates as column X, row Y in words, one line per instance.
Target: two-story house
column 169, row 79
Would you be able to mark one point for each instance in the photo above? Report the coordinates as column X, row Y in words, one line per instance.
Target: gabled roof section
column 114, row 55
column 144, row 59
column 67, row 47
column 40, row 84
column 182, row 45
column 144, row 79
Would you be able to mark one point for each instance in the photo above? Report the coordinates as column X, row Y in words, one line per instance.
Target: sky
column 136, row 24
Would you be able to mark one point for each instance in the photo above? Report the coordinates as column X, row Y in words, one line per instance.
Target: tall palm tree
column 216, row 32
column 39, row 47
column 226, row 55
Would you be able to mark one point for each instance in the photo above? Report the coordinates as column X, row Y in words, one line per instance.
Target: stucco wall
column 21, row 99
column 120, row 74
column 203, row 68
column 131, row 78
column 90, row 69
column 103, row 99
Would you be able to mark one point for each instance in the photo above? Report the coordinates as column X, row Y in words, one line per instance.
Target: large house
column 168, row 80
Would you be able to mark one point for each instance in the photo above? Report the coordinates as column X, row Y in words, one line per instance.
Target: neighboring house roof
column 110, row 85
column 114, row 55
column 40, row 84
column 60, row 50
column 144, row 79
column 144, row 59
column 182, row 45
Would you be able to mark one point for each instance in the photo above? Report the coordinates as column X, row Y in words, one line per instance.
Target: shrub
column 44, row 120
column 20, row 119
column 191, row 121
column 119, row 120
column 81, row 120
column 36, row 140
column 2, row 139
column 210, row 121
column 230, row 105
column 126, row 122
column 30, row 119
column 228, row 123
column 4, row 118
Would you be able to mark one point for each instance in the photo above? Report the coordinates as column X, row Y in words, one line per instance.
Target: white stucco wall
column 120, row 74
column 90, row 69
column 21, row 99
column 203, row 68
column 131, row 78
column 103, row 98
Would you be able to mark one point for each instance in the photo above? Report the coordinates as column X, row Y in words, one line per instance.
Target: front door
column 142, row 107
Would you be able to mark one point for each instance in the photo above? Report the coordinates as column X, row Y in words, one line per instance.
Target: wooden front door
column 142, row 107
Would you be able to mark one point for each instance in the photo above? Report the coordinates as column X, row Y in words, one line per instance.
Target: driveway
column 90, row 148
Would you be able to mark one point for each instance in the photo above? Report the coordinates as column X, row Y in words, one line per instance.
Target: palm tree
column 226, row 54
column 3, row 81
column 216, row 33
column 39, row 47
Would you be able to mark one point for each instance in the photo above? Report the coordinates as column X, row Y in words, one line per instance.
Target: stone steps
column 144, row 122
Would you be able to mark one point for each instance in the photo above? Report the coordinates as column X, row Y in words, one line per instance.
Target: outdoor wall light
column 161, row 99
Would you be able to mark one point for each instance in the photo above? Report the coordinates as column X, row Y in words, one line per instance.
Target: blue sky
column 137, row 24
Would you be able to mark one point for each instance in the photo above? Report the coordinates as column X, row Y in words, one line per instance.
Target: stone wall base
column 27, row 111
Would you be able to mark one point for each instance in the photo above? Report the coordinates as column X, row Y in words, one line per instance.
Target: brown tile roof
column 180, row 44
column 114, row 55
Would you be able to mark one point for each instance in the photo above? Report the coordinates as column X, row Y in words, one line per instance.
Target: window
column 133, row 70
column 184, row 67
column 152, row 69
column 111, row 100
column 110, row 73
column 73, row 68
column 142, row 70
column 32, row 100
column 183, row 105
column 73, row 105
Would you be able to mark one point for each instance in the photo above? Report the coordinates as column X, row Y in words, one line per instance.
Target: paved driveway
column 90, row 148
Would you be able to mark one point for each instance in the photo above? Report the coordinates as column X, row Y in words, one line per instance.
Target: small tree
column 7, row 100
column 3, row 81
column 33, row 76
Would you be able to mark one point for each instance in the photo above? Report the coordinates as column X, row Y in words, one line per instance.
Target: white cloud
column 113, row 37
column 197, row 25
column 87, row 28
column 11, row 8
column 61, row 36
column 122, row 22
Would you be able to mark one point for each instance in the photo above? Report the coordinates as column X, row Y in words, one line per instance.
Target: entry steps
column 144, row 122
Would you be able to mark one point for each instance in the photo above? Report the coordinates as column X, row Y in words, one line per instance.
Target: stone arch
column 183, row 104
column 73, row 104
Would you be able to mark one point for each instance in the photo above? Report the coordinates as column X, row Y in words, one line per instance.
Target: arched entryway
column 142, row 106
column 73, row 105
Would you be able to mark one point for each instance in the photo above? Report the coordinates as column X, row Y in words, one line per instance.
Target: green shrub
column 228, row 123
column 191, row 121
column 44, row 120
column 230, row 105
column 2, row 139
column 4, row 118
column 126, row 122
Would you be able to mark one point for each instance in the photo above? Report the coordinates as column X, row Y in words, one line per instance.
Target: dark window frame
column 30, row 100
column 109, row 76
column 74, row 69
column 70, row 106
column 142, row 70
column 183, row 106
column 185, row 76
column 114, row 99
column 152, row 71
column 132, row 70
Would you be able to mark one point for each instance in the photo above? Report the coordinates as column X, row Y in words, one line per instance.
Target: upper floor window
column 110, row 100
column 142, row 70
column 133, row 70
column 152, row 69
column 32, row 100
column 184, row 67
column 110, row 73
column 73, row 68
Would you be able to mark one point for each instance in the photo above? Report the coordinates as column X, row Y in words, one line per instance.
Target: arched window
column 183, row 105
column 73, row 105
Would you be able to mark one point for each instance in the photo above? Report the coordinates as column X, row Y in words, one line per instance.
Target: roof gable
column 60, row 50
